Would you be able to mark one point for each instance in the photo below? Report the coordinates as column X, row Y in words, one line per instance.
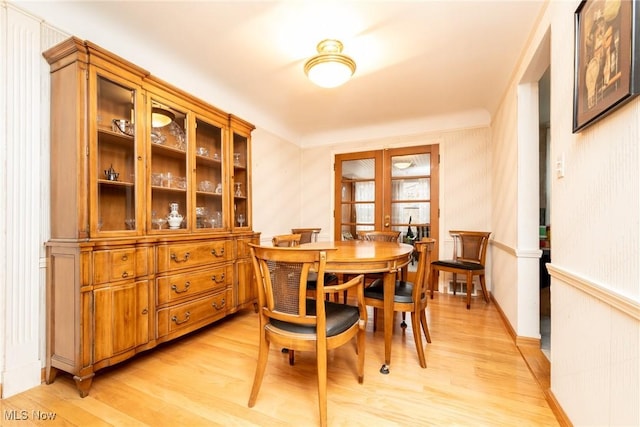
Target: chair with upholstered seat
column 408, row 296
column 289, row 319
column 307, row 235
column 286, row 240
column 469, row 256
column 292, row 240
column 379, row 235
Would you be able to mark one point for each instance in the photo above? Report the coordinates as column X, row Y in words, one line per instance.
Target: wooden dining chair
column 408, row 297
column 289, row 319
column 286, row 240
column 307, row 235
column 292, row 240
column 469, row 256
column 379, row 235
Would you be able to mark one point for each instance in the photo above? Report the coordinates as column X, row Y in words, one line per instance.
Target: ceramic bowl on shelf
column 202, row 151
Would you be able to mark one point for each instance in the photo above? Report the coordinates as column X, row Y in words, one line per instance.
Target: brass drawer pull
column 178, row 322
column 215, row 278
column 186, row 288
column 184, row 259
column 124, row 257
column 215, row 305
column 215, row 253
column 125, row 274
column 145, row 311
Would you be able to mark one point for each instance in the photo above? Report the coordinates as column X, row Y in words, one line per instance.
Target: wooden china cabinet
column 150, row 212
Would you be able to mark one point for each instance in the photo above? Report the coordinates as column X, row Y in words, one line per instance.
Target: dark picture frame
column 606, row 74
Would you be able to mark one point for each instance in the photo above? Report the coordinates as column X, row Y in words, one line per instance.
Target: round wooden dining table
column 362, row 256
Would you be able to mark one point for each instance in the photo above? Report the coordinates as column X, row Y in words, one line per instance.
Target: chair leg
column 375, row 318
column 425, row 326
column 403, row 324
column 321, row 356
column 484, row 287
column 433, row 280
column 469, row 285
column 263, row 353
column 291, row 357
column 417, row 337
column 360, row 344
column 455, row 282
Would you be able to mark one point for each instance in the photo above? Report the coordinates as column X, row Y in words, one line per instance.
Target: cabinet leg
column 83, row 384
column 51, row 374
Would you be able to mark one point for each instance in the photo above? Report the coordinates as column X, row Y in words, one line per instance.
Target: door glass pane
column 116, row 157
column 358, row 189
column 169, row 175
column 411, row 195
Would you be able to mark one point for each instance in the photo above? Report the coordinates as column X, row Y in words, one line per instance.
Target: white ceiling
column 416, row 60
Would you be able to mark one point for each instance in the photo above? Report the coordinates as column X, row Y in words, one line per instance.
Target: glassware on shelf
column 122, row 126
column 219, row 188
column 206, row 186
column 236, row 159
column 238, row 192
column 159, row 222
column 241, row 219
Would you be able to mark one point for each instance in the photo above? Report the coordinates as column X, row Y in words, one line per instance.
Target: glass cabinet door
column 168, row 168
column 240, row 157
column 210, row 189
column 114, row 207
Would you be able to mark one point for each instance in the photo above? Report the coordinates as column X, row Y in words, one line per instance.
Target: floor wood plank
column 475, row 376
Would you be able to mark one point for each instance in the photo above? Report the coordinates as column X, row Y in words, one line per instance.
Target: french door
column 391, row 189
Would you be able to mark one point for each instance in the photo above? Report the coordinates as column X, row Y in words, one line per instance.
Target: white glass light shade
column 161, row 117
column 402, row 165
column 330, row 68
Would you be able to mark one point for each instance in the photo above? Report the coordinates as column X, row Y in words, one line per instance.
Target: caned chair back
column 379, row 236
column 470, row 246
column 286, row 240
column 282, row 282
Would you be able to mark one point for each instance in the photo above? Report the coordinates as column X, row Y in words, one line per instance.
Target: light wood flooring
column 475, row 376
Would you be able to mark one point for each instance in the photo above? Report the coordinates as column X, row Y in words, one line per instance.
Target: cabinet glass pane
column 116, row 148
column 169, row 177
column 240, row 179
column 209, row 173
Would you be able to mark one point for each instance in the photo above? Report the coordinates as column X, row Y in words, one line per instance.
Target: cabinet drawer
column 178, row 256
column 185, row 285
column 114, row 264
column 192, row 315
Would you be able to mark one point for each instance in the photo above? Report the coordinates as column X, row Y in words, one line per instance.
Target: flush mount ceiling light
column 402, row 165
column 161, row 117
column 330, row 67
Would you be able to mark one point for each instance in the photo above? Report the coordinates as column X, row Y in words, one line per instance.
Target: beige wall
column 595, row 238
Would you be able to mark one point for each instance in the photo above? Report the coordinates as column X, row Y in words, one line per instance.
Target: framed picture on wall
column 606, row 58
